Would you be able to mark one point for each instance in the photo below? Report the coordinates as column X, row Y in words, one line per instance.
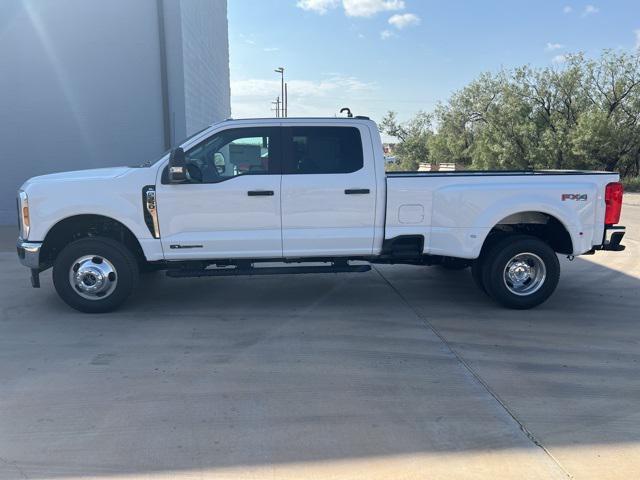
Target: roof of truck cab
column 299, row 119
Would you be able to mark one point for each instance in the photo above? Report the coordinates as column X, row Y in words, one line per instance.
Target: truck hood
column 93, row 174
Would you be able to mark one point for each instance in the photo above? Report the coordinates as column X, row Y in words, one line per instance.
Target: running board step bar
column 231, row 272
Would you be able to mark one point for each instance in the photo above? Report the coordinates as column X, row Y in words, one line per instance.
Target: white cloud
column 590, row 10
column 252, row 97
column 352, row 8
column 318, row 6
column 404, row 20
column 247, row 39
column 271, row 49
column 559, row 59
column 368, row 8
column 567, row 9
column 385, row 34
column 554, row 46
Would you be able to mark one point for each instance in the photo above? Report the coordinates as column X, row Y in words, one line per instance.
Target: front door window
column 231, row 153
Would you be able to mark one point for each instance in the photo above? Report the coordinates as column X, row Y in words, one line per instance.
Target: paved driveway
column 399, row 373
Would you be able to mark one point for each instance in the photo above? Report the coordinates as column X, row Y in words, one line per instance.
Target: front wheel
column 95, row 274
column 520, row 272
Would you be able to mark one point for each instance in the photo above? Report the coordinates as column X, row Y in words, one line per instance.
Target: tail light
column 613, row 201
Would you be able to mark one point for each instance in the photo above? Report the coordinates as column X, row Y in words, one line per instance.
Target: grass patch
column 631, row 184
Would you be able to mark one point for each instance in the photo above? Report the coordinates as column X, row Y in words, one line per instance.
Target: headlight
column 23, row 213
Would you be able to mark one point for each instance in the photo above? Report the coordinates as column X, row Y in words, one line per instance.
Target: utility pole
column 280, row 70
column 277, row 104
column 286, row 101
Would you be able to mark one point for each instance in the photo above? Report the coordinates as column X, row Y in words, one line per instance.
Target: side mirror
column 177, row 166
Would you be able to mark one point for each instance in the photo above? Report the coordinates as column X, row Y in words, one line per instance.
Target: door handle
column 260, row 193
column 357, row 191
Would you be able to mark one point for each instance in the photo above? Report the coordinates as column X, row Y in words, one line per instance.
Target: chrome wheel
column 93, row 277
column 524, row 274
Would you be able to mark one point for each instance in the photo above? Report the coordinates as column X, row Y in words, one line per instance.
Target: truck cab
column 273, row 189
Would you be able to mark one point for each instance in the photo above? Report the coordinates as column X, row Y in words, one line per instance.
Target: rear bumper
column 29, row 253
column 612, row 239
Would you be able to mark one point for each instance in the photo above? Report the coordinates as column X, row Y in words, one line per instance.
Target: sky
column 403, row 55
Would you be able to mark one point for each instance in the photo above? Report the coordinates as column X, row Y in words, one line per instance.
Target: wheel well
column 81, row 226
column 538, row 224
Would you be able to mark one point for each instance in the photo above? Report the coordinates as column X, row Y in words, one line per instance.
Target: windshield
column 149, row 163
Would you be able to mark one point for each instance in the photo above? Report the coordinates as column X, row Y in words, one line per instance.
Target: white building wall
column 80, row 83
column 206, row 63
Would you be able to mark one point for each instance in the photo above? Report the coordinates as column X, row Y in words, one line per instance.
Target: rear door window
column 323, row 150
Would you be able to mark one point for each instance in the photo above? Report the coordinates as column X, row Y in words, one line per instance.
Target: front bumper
column 29, row 253
column 612, row 237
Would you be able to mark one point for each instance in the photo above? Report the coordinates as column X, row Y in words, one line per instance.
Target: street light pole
column 280, row 70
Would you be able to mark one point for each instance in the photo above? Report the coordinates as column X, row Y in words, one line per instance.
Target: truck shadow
column 251, row 371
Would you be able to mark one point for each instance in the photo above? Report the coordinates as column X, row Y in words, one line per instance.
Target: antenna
column 348, row 110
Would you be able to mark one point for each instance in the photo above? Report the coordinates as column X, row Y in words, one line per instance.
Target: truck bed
column 455, row 211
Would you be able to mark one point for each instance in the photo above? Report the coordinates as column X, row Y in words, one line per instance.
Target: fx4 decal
column 578, row 197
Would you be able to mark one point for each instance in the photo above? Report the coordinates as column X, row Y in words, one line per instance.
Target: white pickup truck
column 312, row 196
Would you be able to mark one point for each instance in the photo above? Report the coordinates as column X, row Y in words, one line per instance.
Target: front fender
column 116, row 198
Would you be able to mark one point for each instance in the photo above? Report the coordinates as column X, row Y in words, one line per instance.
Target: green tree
column 556, row 100
column 608, row 133
column 462, row 120
column 413, row 135
column 582, row 114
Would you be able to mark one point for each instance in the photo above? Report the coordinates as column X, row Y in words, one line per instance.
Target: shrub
column 631, row 184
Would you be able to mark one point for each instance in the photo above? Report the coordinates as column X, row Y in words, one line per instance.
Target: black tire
column 534, row 254
column 451, row 263
column 102, row 251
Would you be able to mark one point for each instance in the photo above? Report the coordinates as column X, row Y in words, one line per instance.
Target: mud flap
column 35, row 278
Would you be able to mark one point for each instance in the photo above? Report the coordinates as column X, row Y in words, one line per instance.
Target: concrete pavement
column 402, row 372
